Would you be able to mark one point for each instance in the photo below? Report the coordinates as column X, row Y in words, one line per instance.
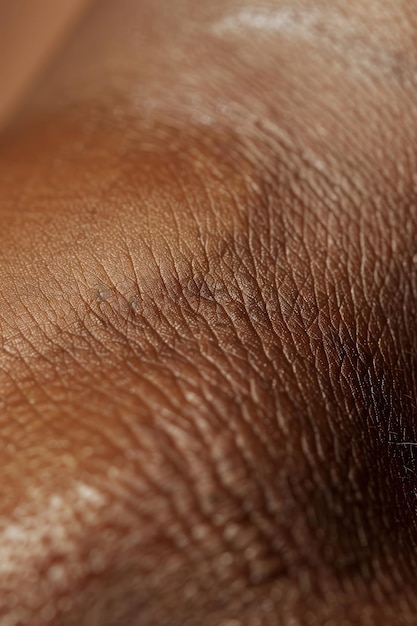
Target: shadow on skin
column 207, row 313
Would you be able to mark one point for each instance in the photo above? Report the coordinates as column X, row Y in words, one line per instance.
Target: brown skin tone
column 30, row 34
column 207, row 312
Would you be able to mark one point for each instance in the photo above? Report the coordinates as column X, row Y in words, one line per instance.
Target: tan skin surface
column 31, row 31
column 208, row 299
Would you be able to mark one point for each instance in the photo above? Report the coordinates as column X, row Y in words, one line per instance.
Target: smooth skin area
column 30, row 34
column 208, row 269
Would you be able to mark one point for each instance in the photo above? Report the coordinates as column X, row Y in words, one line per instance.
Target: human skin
column 30, row 33
column 208, row 258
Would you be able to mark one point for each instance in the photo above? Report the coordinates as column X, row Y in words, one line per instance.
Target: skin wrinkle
column 238, row 298
column 232, row 262
column 166, row 289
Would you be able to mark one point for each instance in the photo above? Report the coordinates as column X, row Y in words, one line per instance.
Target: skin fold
column 208, row 270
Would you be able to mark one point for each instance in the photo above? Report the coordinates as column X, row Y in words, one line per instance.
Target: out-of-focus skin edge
column 31, row 32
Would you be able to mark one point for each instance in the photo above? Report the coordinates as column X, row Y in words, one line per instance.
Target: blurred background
column 31, row 31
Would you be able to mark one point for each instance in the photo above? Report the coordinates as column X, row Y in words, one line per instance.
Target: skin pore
column 207, row 320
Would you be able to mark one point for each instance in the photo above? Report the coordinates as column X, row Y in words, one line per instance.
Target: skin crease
column 207, row 320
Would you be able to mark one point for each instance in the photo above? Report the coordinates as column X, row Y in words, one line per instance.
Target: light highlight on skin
column 285, row 20
column 46, row 527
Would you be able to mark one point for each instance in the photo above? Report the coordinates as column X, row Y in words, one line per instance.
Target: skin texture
column 208, row 260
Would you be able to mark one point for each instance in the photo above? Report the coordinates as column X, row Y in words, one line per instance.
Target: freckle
column 415, row 259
